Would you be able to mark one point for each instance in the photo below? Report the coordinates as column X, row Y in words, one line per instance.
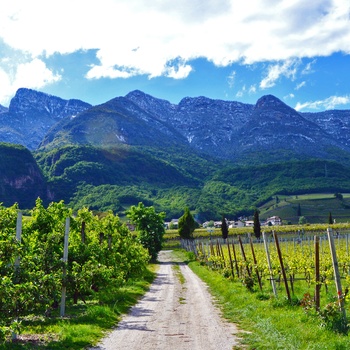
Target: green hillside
column 115, row 178
column 314, row 207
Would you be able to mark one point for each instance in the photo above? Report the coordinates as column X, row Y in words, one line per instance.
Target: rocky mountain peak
column 270, row 101
column 32, row 113
column 27, row 101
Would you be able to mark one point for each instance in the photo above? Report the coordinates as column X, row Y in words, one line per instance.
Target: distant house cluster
column 241, row 222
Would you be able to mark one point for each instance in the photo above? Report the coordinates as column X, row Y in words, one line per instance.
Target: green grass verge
column 267, row 322
column 84, row 324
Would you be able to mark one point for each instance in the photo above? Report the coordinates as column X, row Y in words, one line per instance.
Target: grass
column 179, row 275
column 84, row 324
column 267, row 322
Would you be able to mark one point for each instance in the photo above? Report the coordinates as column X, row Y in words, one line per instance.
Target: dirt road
column 172, row 316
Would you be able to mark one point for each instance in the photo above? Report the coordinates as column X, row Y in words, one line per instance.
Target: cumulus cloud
column 162, row 37
column 25, row 72
column 329, row 103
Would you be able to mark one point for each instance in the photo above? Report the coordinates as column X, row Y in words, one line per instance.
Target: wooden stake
column 235, row 257
column 336, row 272
column 255, row 263
column 266, row 245
column 281, row 264
column 230, row 257
column 317, row 273
column 243, row 255
column 18, row 235
column 65, row 260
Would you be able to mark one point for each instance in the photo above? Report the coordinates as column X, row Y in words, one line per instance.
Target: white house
column 274, row 221
column 233, row 224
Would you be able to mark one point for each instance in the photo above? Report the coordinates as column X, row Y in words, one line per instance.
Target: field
column 314, row 207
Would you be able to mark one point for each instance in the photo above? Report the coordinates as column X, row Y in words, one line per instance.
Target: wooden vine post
column 255, row 262
column 17, row 261
column 222, row 255
column 266, row 245
column 18, row 235
column 235, row 258
column 65, row 260
column 317, row 273
column 230, row 257
column 243, row 255
column 336, row 271
column 281, row 264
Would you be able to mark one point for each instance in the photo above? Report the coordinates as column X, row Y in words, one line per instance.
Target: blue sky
column 235, row 50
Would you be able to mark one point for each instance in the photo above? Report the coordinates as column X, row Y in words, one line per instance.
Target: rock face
column 233, row 130
column 275, row 126
column 225, row 129
column 31, row 114
column 21, row 180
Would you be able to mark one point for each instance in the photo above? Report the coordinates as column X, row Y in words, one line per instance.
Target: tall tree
column 330, row 219
column 224, row 227
column 187, row 225
column 150, row 227
column 299, row 210
column 257, row 227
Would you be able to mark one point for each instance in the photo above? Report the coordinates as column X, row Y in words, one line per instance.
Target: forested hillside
column 116, row 178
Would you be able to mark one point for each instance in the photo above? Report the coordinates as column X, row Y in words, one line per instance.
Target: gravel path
column 172, row 316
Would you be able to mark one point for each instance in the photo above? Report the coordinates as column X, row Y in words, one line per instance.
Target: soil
column 177, row 313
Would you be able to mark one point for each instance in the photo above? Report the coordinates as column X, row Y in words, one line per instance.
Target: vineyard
column 308, row 272
column 38, row 272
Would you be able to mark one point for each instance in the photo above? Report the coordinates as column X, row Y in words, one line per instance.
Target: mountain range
column 221, row 129
column 146, row 147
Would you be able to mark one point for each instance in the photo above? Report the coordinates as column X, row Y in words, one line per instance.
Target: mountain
column 275, row 128
column 266, row 132
column 209, row 126
column 31, row 114
column 336, row 123
column 118, row 121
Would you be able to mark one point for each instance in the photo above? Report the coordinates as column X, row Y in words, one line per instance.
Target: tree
column 330, row 219
column 150, row 227
column 338, row 196
column 299, row 210
column 257, row 227
column 224, row 227
column 186, row 225
column 302, row 220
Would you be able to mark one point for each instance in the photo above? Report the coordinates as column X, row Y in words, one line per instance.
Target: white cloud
column 252, row 89
column 289, row 96
column 329, row 103
column 300, row 85
column 231, row 79
column 308, row 69
column 161, row 37
column 274, row 72
column 31, row 74
column 34, row 74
